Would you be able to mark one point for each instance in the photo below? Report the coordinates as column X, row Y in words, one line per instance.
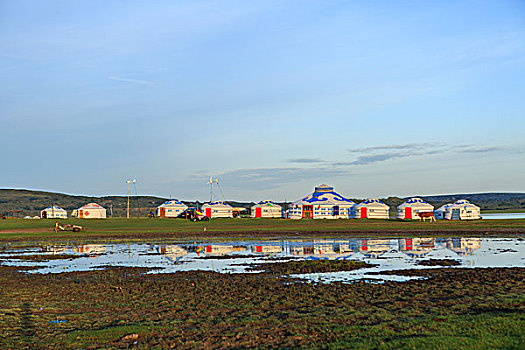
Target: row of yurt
column 88, row 211
column 53, row 212
column 170, row 209
column 323, row 203
column 412, row 207
column 266, row 209
column 459, row 210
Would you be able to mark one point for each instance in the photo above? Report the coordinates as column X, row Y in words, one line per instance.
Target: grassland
column 120, row 228
column 123, row 308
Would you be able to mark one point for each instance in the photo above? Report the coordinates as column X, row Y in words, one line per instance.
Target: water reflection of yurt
column 373, row 248
column 266, row 248
column 220, row 249
column 463, row 246
column 416, row 247
column 325, row 249
column 91, row 249
column 172, row 251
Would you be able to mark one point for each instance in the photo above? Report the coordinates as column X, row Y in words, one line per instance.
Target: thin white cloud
column 131, row 81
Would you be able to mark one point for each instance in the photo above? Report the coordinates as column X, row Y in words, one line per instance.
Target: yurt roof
column 172, row 203
column 416, row 202
column 372, row 203
column 325, row 194
column 444, row 207
column 464, row 203
column 92, row 206
column 217, row 204
column 54, row 206
column 267, row 203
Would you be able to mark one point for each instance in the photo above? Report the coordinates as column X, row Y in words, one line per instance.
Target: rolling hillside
column 31, row 202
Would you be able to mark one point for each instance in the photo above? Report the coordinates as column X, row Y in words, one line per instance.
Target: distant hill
column 32, row 202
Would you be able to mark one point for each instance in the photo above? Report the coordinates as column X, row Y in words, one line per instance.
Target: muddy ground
column 126, row 308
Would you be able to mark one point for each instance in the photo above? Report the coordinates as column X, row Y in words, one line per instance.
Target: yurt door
column 162, row 212
column 81, row 214
column 408, row 213
column 308, row 211
column 208, row 212
column 364, row 213
column 258, row 212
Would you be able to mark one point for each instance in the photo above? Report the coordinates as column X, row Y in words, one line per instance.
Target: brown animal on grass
column 426, row 215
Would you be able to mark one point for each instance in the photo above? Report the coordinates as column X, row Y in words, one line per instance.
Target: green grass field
column 143, row 228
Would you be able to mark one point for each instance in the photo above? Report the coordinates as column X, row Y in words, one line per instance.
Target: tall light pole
column 211, row 182
column 129, row 182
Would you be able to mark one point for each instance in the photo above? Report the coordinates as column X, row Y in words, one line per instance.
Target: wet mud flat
column 128, row 308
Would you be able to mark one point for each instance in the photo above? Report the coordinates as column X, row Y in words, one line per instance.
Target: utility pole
column 211, row 182
column 129, row 182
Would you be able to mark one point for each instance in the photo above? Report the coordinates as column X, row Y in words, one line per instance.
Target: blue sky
column 272, row 97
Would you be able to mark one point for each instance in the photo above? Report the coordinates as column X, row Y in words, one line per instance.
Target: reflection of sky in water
column 388, row 254
column 495, row 216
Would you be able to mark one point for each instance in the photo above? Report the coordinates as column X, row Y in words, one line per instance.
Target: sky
column 272, row 98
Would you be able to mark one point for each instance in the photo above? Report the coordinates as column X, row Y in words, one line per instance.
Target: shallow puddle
column 238, row 256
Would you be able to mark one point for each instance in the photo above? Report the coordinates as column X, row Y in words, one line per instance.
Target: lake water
column 238, row 256
column 503, row 216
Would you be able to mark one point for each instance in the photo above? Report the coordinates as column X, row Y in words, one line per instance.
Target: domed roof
column 92, row 206
column 324, row 194
column 416, row 203
column 172, row 203
column 216, row 204
column 56, row 207
column 267, row 203
column 372, row 202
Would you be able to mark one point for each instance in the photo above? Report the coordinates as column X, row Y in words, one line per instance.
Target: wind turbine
column 211, row 182
column 129, row 182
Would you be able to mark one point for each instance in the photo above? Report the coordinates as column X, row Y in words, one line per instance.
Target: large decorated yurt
column 91, row 211
column 462, row 210
column 412, row 207
column 170, row 209
column 217, row 210
column 323, row 203
column 266, row 209
column 53, row 212
column 370, row 209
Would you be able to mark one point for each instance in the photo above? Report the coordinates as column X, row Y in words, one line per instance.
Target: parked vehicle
column 193, row 214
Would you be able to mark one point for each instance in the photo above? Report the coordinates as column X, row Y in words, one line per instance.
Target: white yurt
column 372, row 208
column 323, row 203
column 439, row 213
column 266, row 209
column 53, row 212
column 411, row 208
column 217, row 210
column 170, row 209
column 91, row 211
column 462, row 210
